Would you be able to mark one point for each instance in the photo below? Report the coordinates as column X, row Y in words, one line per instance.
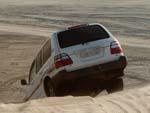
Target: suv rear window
column 81, row 35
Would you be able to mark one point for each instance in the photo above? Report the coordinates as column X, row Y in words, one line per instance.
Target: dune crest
column 131, row 101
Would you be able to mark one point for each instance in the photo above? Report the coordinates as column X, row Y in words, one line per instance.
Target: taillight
column 62, row 60
column 115, row 47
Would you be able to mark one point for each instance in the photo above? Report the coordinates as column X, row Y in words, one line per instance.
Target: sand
column 26, row 25
column 131, row 101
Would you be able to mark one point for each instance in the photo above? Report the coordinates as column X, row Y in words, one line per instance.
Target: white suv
column 88, row 50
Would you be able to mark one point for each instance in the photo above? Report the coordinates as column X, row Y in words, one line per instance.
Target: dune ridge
column 129, row 101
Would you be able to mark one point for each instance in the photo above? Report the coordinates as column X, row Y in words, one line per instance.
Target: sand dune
column 26, row 24
column 131, row 101
column 25, row 30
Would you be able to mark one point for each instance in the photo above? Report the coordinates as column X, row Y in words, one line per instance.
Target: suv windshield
column 81, row 35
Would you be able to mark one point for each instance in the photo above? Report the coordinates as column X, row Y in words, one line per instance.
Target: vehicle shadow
column 91, row 87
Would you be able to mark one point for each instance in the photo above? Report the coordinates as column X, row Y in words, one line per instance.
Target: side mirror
column 23, row 82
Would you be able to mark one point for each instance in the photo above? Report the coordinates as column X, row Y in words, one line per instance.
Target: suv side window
column 43, row 55
column 32, row 72
column 46, row 51
column 39, row 61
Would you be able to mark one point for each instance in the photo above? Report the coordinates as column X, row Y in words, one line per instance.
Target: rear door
column 38, row 70
column 85, row 45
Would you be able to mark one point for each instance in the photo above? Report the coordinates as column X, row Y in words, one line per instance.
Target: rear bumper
column 119, row 64
column 104, row 71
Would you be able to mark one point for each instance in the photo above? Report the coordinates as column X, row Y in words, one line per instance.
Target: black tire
column 117, row 73
column 114, row 85
column 49, row 87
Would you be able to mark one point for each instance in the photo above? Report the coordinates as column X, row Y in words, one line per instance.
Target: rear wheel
column 50, row 89
column 116, row 73
column 114, row 85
